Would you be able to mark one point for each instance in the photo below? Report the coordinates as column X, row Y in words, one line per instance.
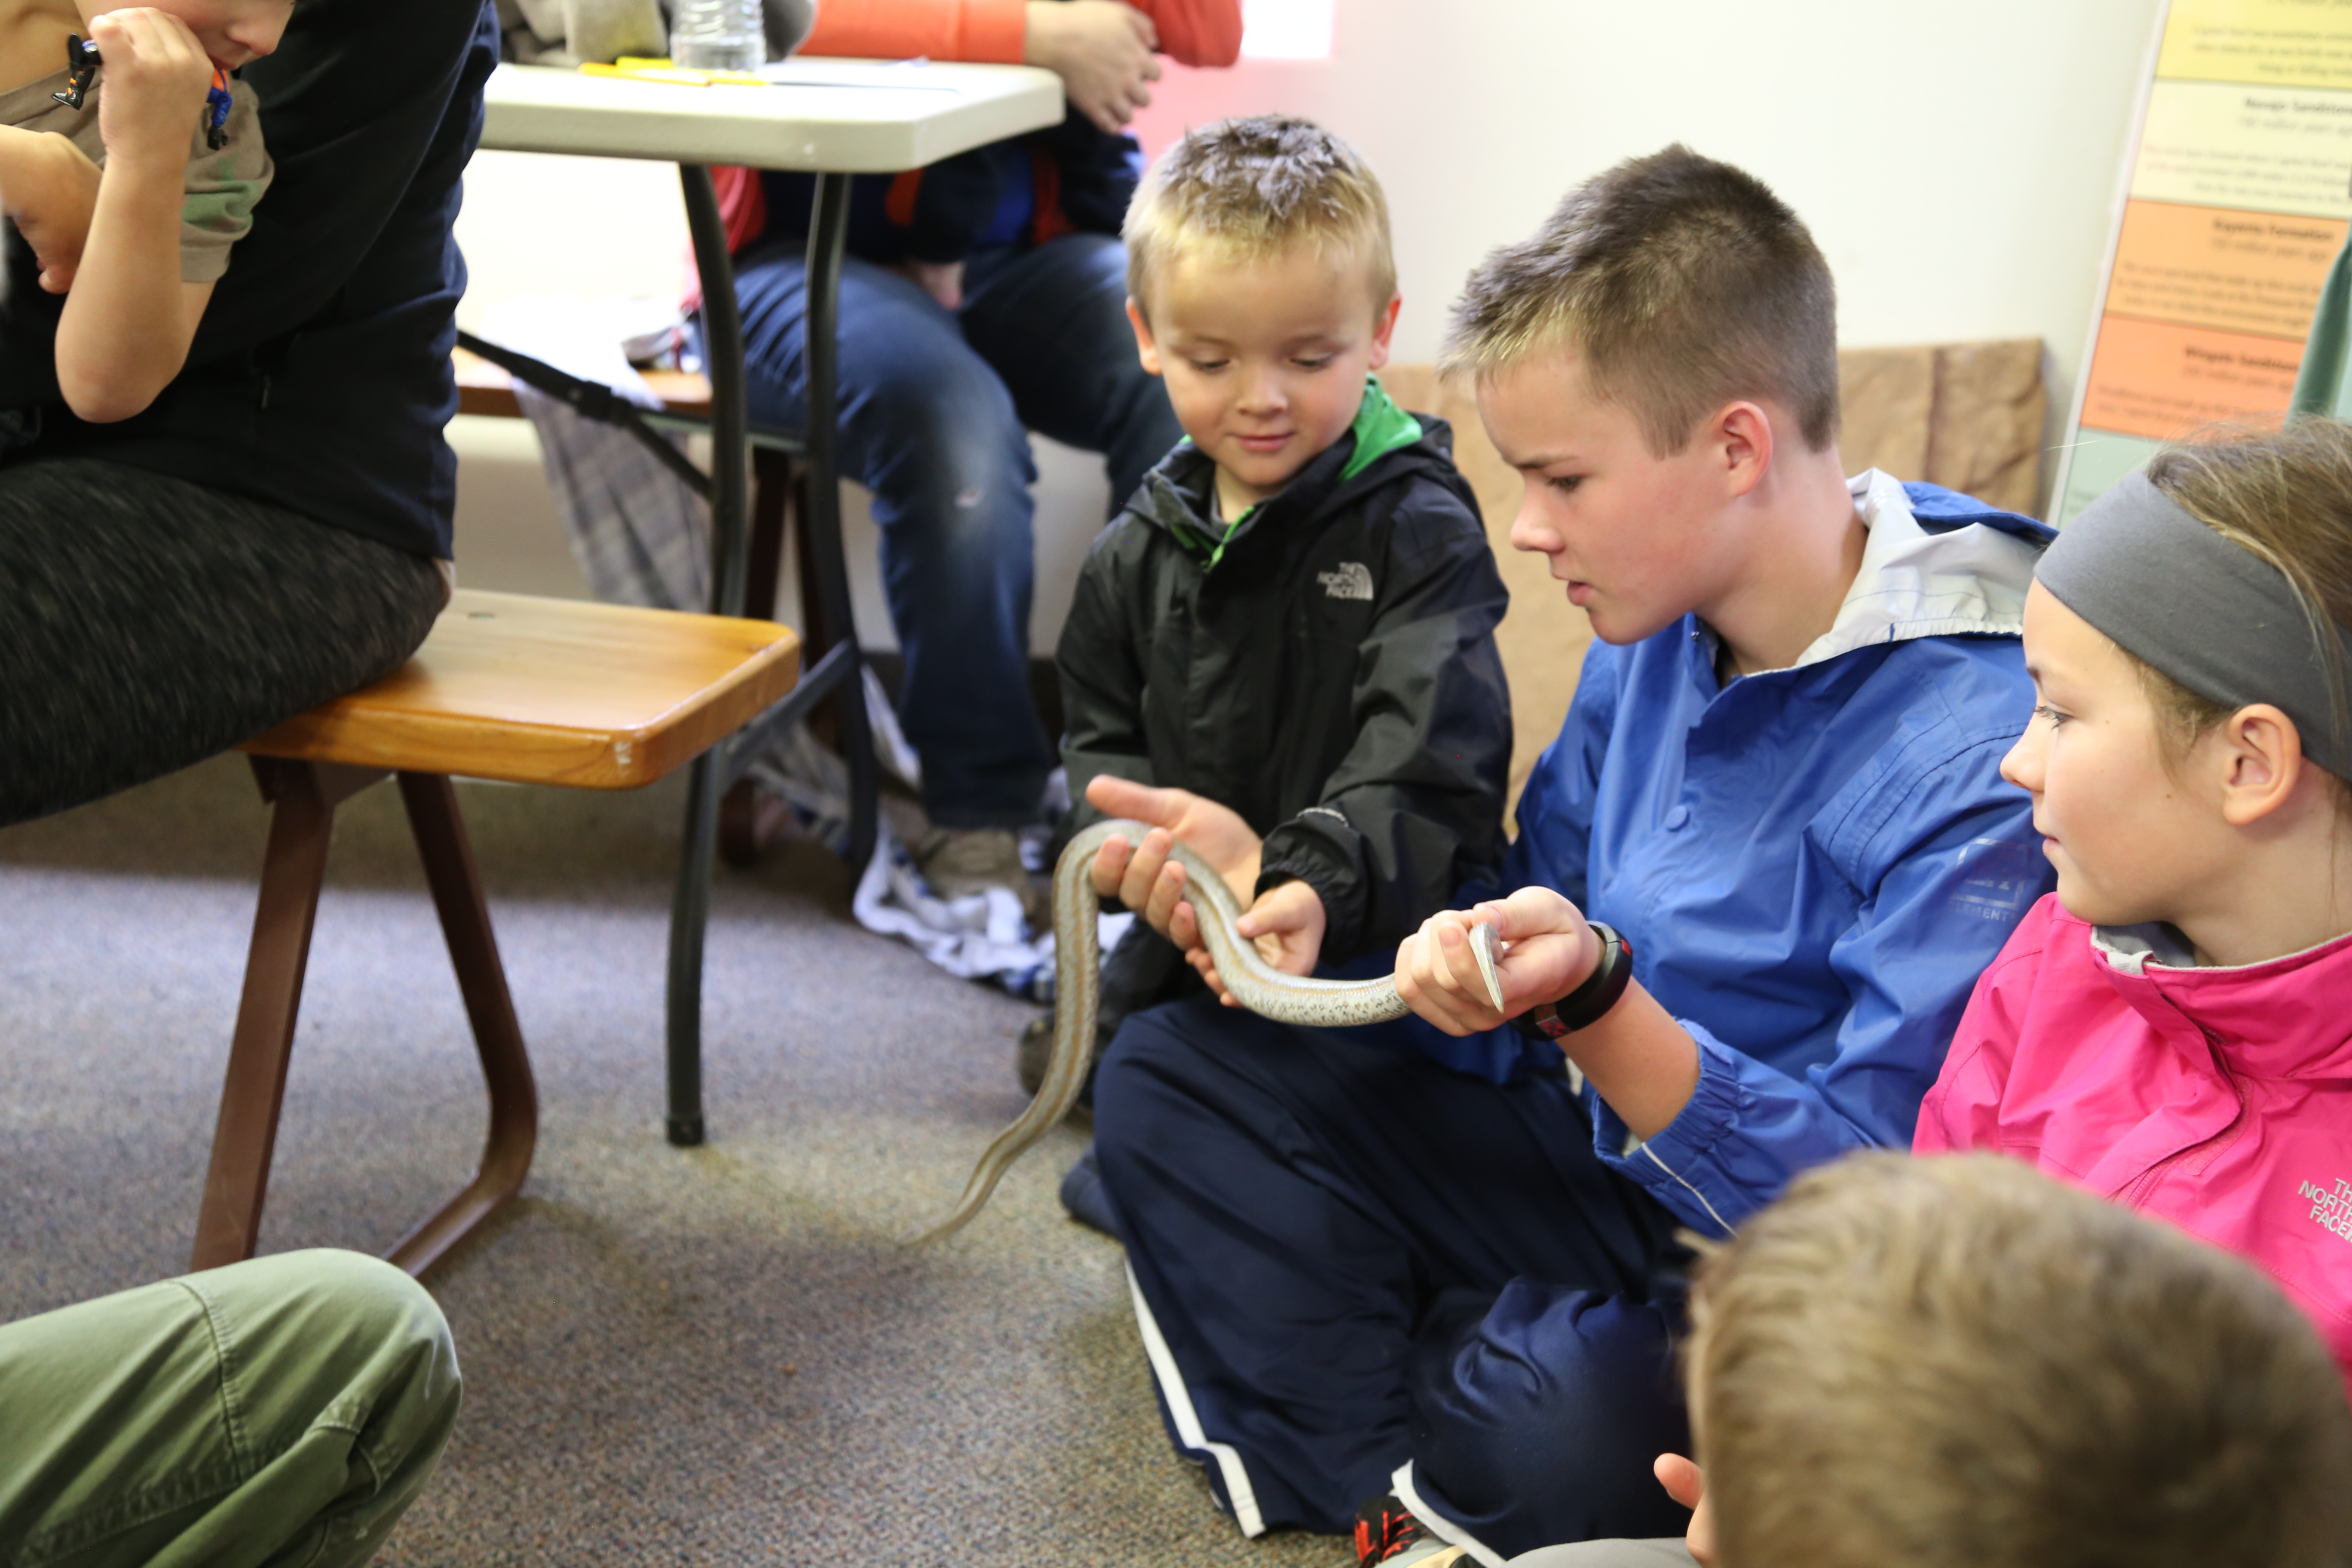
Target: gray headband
column 2211, row 615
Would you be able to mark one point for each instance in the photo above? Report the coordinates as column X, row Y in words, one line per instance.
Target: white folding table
column 831, row 119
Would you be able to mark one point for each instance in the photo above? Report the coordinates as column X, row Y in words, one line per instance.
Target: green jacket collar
column 1380, row 428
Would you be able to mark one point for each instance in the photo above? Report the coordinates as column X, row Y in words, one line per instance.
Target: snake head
column 1483, row 946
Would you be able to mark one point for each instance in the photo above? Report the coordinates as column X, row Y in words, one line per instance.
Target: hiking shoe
column 1387, row 1534
column 960, row 861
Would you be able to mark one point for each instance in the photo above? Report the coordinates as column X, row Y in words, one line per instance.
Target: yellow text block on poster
column 2217, row 266
column 2281, row 43
column 2266, row 149
column 2162, row 381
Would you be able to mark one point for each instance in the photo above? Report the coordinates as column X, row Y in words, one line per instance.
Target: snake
column 1077, row 986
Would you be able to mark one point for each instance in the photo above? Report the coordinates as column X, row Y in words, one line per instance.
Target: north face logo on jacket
column 1353, row 580
column 2331, row 1210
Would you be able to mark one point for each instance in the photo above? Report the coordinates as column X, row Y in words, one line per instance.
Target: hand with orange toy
column 159, row 80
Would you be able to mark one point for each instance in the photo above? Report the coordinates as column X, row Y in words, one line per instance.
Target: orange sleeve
column 1194, row 32
column 993, row 31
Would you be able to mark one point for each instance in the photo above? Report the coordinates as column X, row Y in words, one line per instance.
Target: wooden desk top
column 553, row 691
column 829, row 116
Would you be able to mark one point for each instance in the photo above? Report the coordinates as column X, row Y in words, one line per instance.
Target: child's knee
column 1539, row 1422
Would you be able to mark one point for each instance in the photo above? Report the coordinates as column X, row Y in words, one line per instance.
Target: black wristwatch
column 1589, row 1003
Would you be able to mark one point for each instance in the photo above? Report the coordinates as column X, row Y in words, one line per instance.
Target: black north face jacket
column 1329, row 672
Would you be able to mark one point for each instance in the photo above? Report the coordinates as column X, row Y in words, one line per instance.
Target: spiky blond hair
column 1256, row 188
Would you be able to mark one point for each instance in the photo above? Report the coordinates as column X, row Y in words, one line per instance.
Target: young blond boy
column 146, row 237
column 1294, row 616
column 1445, row 1297
column 1956, row 1362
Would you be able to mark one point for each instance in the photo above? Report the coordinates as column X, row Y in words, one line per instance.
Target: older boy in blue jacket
column 1438, row 1276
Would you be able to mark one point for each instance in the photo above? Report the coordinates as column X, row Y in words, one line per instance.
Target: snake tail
column 1078, row 1000
column 1078, row 984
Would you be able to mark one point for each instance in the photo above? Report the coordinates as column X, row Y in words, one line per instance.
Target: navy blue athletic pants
column 1348, row 1257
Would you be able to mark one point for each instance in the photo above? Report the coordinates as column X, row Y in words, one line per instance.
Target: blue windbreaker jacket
column 1813, row 864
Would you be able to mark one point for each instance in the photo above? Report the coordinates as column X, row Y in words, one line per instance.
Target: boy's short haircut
column 1684, row 283
column 1256, row 188
column 1958, row 1363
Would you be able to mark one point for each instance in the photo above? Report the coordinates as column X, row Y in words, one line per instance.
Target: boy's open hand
column 151, row 87
column 1144, row 879
column 50, row 193
column 1550, row 950
column 1102, row 50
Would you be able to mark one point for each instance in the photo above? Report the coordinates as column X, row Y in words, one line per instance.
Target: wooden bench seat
column 747, row 818
column 485, row 389
column 506, row 687
column 553, row 691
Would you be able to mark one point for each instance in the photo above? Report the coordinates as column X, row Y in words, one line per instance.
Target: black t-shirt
column 320, row 380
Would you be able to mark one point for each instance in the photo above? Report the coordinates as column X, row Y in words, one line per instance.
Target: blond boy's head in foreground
column 1956, row 1362
column 1659, row 361
column 1263, row 290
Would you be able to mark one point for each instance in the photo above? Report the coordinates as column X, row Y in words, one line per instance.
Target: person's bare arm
column 129, row 319
column 48, row 189
column 1102, row 50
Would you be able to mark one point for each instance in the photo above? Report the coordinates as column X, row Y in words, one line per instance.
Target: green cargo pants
column 275, row 1413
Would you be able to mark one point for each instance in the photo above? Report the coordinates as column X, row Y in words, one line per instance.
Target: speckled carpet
column 708, row 1356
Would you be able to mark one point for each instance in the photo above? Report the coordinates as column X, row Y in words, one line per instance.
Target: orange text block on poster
column 2211, row 266
column 2162, row 381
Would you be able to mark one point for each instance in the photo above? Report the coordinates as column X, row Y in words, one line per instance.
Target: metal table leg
column 828, row 232
column 722, row 336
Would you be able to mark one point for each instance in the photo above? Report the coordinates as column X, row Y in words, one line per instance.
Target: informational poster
column 2239, row 196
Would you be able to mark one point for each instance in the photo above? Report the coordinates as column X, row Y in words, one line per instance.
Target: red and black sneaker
column 1387, row 1532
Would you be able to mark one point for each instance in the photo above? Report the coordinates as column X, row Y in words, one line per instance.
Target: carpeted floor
column 709, row 1356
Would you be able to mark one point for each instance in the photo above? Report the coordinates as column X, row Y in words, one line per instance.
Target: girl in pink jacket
column 2172, row 1028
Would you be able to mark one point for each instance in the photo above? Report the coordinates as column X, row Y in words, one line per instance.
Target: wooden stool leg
column 229, row 1224
column 450, row 872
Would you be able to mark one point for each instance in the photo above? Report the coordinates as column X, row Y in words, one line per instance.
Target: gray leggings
column 147, row 623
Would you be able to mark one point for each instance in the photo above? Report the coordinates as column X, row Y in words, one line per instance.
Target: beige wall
column 1958, row 163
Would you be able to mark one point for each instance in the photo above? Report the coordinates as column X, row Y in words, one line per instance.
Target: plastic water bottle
column 717, row 35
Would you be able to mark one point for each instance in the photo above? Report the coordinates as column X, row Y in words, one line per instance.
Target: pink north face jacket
column 2218, row 1098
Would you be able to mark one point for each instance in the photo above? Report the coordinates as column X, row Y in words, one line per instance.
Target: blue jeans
column 936, row 409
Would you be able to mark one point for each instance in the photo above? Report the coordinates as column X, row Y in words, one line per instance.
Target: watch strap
column 1592, row 1000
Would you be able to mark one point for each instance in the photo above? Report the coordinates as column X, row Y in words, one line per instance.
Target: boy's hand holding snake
column 1171, row 879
